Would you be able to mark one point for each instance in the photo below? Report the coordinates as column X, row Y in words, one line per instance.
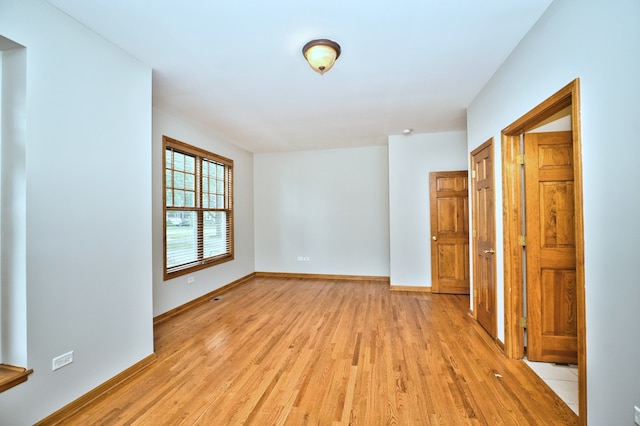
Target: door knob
column 490, row 251
column 434, row 238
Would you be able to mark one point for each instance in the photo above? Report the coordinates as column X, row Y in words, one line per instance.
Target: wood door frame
column 568, row 96
column 474, row 227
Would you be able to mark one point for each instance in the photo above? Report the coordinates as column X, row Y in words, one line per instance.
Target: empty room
column 358, row 212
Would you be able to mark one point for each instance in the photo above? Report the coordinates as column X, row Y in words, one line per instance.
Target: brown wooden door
column 449, row 232
column 550, row 247
column 484, row 237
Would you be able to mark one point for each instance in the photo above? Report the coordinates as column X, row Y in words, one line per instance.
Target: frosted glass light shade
column 321, row 54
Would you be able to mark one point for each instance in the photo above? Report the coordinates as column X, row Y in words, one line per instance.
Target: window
column 13, row 221
column 198, row 208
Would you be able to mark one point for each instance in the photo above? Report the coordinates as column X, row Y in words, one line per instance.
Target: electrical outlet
column 191, row 279
column 637, row 415
column 61, row 361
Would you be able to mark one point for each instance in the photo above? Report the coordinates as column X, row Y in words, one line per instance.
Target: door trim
column 512, row 222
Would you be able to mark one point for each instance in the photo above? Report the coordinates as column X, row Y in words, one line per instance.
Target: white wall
column 87, row 243
column 411, row 158
column 330, row 206
column 599, row 43
column 175, row 292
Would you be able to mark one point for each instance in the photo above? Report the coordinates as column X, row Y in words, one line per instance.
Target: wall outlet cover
column 61, row 360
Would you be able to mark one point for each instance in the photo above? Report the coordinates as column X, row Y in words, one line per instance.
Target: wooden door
column 484, row 237
column 448, row 194
column 552, row 319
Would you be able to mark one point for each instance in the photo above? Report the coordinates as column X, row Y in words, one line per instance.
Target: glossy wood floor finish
column 297, row 352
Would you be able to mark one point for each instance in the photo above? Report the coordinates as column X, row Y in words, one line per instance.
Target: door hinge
column 474, row 234
column 522, row 240
column 473, row 174
column 523, row 322
column 520, row 159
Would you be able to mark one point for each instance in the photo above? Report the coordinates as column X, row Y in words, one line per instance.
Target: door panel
column 551, row 248
column 449, row 232
column 483, row 198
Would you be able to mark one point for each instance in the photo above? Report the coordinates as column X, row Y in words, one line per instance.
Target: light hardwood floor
column 293, row 351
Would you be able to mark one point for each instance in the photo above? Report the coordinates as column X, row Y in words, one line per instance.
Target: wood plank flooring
column 315, row 352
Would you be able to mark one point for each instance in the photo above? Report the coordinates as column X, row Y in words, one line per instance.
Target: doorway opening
column 514, row 217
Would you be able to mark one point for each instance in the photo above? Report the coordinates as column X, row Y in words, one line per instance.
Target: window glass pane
column 190, row 164
column 182, row 238
column 178, row 198
column 169, row 197
column 168, row 177
column 220, row 187
column 220, row 172
column 178, row 180
column 220, row 202
column 215, row 233
column 168, row 158
column 190, row 182
column 205, row 185
column 178, row 161
column 205, row 201
column 190, row 199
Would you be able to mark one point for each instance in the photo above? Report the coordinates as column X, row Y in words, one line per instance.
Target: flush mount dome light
column 321, row 54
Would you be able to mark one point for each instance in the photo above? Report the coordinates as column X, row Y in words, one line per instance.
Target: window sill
column 11, row 376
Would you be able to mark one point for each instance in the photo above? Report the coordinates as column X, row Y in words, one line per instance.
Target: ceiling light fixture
column 407, row 132
column 321, row 54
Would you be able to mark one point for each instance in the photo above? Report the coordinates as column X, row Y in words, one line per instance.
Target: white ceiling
column 235, row 67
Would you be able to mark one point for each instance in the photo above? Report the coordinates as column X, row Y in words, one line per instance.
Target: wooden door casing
column 552, row 327
column 513, row 224
column 484, row 237
column 448, row 195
